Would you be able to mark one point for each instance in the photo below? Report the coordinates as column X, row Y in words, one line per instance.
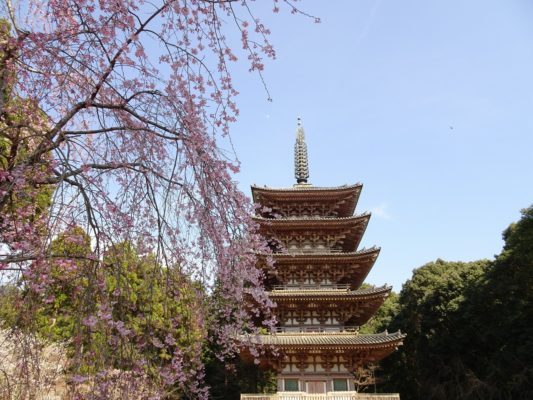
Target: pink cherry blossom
column 119, row 110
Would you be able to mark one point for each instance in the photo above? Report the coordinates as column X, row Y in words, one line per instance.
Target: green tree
column 469, row 326
column 430, row 365
column 152, row 304
column 9, row 296
column 54, row 310
column 24, row 199
column 381, row 320
column 143, row 315
column 501, row 314
column 62, row 306
column 229, row 378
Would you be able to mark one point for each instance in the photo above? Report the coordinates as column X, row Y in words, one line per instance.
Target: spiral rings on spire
column 301, row 162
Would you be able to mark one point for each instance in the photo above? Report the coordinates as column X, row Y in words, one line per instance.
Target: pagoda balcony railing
column 310, row 251
column 316, row 329
column 313, row 216
column 335, row 286
column 321, row 396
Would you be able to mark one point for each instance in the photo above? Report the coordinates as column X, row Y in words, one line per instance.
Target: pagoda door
column 316, row 386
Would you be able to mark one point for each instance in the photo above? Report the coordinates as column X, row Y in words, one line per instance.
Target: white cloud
column 381, row 211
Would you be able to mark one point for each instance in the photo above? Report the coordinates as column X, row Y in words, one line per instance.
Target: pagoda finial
column 301, row 163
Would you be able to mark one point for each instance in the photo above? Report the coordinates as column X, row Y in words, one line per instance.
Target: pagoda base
column 315, row 383
column 321, row 396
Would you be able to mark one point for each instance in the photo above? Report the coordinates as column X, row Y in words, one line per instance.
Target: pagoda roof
column 348, row 194
column 331, row 294
column 356, row 349
column 355, row 226
column 320, row 256
column 311, row 222
column 327, row 339
column 354, row 307
column 308, row 189
column 353, row 266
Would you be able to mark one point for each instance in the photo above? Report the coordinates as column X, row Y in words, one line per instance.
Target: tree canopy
column 468, row 325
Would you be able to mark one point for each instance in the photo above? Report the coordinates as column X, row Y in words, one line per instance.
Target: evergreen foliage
column 469, row 326
column 380, row 321
column 136, row 312
column 228, row 379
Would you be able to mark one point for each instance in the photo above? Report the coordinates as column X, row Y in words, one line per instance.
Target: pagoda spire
column 301, row 162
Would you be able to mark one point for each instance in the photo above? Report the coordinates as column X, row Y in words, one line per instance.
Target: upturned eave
column 329, row 340
column 354, row 266
column 358, row 256
column 349, row 194
column 331, row 294
column 354, row 227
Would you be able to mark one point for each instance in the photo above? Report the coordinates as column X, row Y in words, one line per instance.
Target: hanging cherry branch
column 112, row 118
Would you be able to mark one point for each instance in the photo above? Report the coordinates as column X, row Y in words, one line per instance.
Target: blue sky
column 427, row 103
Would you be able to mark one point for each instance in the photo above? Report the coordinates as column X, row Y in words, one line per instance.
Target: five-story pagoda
column 315, row 284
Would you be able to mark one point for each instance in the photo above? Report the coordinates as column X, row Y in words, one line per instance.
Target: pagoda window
column 291, row 385
column 340, row 385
